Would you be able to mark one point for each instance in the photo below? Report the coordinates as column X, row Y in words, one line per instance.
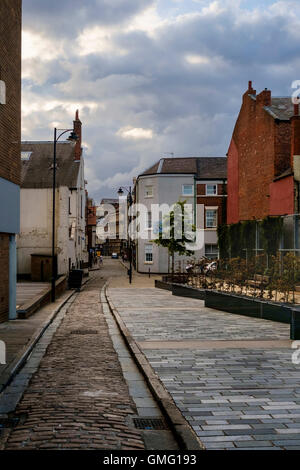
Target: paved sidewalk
column 78, row 397
column 232, row 376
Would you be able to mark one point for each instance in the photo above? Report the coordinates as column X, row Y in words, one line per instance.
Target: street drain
column 153, row 424
column 84, row 332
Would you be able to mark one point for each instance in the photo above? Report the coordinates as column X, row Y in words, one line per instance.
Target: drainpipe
column 12, row 278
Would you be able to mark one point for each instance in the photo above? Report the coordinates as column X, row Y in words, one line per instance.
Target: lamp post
column 129, row 198
column 57, row 136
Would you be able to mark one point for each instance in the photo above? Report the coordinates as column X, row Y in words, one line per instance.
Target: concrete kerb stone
column 185, row 434
column 23, row 355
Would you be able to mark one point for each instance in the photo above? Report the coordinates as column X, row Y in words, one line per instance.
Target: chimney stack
column 265, row 97
column 78, row 132
column 295, row 128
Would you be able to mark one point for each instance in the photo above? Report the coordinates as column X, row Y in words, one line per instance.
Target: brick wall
column 212, row 201
column 10, row 122
column 4, row 263
column 10, row 73
column 260, row 150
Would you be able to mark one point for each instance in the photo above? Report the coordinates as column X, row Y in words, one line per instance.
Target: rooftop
column 202, row 167
column 37, row 170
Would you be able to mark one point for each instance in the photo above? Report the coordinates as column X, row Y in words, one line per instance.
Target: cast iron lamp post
column 129, row 198
column 72, row 137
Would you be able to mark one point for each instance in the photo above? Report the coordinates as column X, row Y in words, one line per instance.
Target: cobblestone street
column 231, row 376
column 78, row 398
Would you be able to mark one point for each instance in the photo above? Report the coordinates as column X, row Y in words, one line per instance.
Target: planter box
column 187, row 291
column 295, row 324
column 163, row 285
column 242, row 305
column 256, row 308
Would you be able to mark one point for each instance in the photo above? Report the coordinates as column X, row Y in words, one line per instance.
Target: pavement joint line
column 215, row 344
column 185, row 434
column 21, row 358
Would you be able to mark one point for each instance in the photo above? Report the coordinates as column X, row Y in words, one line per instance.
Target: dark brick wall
column 4, row 272
column 213, row 201
column 263, row 147
column 10, row 122
column 10, row 73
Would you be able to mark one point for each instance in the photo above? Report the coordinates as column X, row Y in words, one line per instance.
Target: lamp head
column 73, row 137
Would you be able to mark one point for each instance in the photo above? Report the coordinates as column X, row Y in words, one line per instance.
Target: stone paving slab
column 153, row 314
column 234, row 397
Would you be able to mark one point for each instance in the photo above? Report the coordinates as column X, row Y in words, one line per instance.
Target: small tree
column 175, row 222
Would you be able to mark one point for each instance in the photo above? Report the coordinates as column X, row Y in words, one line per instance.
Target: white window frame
column 216, row 252
column 148, row 251
column 207, row 209
column 188, row 195
column 148, row 195
column 206, row 189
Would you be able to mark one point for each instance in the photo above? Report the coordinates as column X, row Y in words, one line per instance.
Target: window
column 211, row 218
column 25, row 156
column 211, row 189
column 149, row 219
column 149, row 191
column 148, row 253
column 70, row 212
column 211, row 251
column 187, row 190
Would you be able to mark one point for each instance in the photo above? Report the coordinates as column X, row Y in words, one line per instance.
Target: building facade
column 10, row 139
column 201, row 182
column 108, row 233
column 35, row 237
column 264, row 161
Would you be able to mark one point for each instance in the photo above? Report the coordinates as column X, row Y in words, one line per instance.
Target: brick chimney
column 264, row 98
column 251, row 91
column 78, row 132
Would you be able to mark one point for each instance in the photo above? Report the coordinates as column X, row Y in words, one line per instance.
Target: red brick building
column 10, row 155
column 263, row 158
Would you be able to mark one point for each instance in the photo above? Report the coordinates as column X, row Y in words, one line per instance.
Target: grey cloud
column 65, row 18
column 191, row 109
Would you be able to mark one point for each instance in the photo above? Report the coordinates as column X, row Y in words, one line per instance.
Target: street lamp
column 73, row 137
column 129, row 198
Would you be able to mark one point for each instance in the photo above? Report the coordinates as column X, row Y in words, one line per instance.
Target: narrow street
column 78, row 397
column 230, row 376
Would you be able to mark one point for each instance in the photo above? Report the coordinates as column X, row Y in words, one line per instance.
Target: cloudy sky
column 151, row 76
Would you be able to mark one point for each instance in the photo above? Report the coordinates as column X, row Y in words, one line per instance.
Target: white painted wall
column 36, row 225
